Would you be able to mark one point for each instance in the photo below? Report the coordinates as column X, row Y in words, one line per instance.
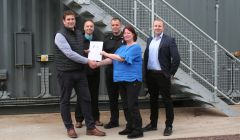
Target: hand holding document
column 94, row 50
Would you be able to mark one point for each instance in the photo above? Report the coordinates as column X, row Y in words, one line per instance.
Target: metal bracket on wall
column 4, row 95
column 3, row 86
column 44, row 83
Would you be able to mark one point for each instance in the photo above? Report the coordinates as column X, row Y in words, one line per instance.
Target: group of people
column 122, row 56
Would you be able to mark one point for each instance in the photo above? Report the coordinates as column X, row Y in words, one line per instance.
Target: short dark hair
column 116, row 18
column 90, row 20
column 68, row 12
column 160, row 20
column 131, row 29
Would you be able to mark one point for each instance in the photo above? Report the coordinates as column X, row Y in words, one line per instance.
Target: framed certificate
column 94, row 50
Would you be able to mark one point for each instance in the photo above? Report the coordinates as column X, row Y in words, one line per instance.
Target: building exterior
column 28, row 27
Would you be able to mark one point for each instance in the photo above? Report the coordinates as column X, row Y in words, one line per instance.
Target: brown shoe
column 71, row 133
column 78, row 125
column 95, row 132
column 98, row 123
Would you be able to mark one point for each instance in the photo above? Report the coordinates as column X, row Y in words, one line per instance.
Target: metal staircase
column 87, row 10
column 183, row 83
column 90, row 10
column 208, row 72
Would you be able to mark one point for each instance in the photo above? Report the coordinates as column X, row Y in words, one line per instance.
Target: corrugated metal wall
column 40, row 19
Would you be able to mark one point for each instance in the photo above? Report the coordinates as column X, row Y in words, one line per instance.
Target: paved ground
column 190, row 123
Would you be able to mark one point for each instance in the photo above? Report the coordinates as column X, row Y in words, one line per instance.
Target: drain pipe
column 217, row 19
column 152, row 16
column 216, row 54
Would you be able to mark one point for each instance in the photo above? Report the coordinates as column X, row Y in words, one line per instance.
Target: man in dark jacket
column 93, row 77
column 161, row 60
column 112, row 42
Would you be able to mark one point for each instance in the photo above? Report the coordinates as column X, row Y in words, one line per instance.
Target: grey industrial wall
column 202, row 13
column 40, row 19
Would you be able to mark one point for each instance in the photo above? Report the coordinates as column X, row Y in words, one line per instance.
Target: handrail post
column 135, row 12
column 215, row 70
column 152, row 15
column 216, row 26
column 191, row 57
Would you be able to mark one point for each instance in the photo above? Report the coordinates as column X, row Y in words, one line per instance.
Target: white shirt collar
column 158, row 37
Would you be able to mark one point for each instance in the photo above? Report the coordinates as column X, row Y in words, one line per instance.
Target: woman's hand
column 103, row 53
column 112, row 56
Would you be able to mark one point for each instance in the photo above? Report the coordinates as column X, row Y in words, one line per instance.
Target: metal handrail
column 113, row 10
column 199, row 76
column 195, row 26
column 216, row 44
column 176, row 31
column 123, row 18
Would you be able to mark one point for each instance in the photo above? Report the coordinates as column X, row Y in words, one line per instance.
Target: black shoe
column 78, row 125
column 167, row 131
column 135, row 134
column 126, row 131
column 111, row 125
column 149, row 127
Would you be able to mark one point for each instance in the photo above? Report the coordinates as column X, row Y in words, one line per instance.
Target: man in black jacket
column 112, row 42
column 161, row 61
column 93, row 77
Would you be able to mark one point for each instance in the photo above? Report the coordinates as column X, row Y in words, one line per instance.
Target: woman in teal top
column 127, row 71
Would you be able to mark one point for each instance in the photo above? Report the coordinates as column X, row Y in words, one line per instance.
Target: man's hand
column 86, row 51
column 99, row 64
column 92, row 64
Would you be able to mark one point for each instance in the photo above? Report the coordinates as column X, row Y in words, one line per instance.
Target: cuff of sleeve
column 128, row 60
column 85, row 60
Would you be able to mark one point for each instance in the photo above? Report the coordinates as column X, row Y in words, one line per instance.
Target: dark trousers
column 158, row 83
column 93, row 84
column 78, row 81
column 130, row 92
column 113, row 94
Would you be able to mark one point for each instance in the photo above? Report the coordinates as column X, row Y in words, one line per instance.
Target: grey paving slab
column 189, row 122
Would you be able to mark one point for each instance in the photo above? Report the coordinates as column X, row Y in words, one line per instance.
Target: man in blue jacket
column 161, row 60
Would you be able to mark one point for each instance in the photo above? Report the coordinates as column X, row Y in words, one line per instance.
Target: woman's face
column 127, row 35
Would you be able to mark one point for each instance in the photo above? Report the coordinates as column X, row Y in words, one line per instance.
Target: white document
column 95, row 48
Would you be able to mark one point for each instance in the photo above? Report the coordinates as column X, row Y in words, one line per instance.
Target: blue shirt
column 131, row 69
column 153, row 61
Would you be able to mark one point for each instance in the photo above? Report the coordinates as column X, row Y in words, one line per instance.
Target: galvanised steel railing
column 201, row 56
